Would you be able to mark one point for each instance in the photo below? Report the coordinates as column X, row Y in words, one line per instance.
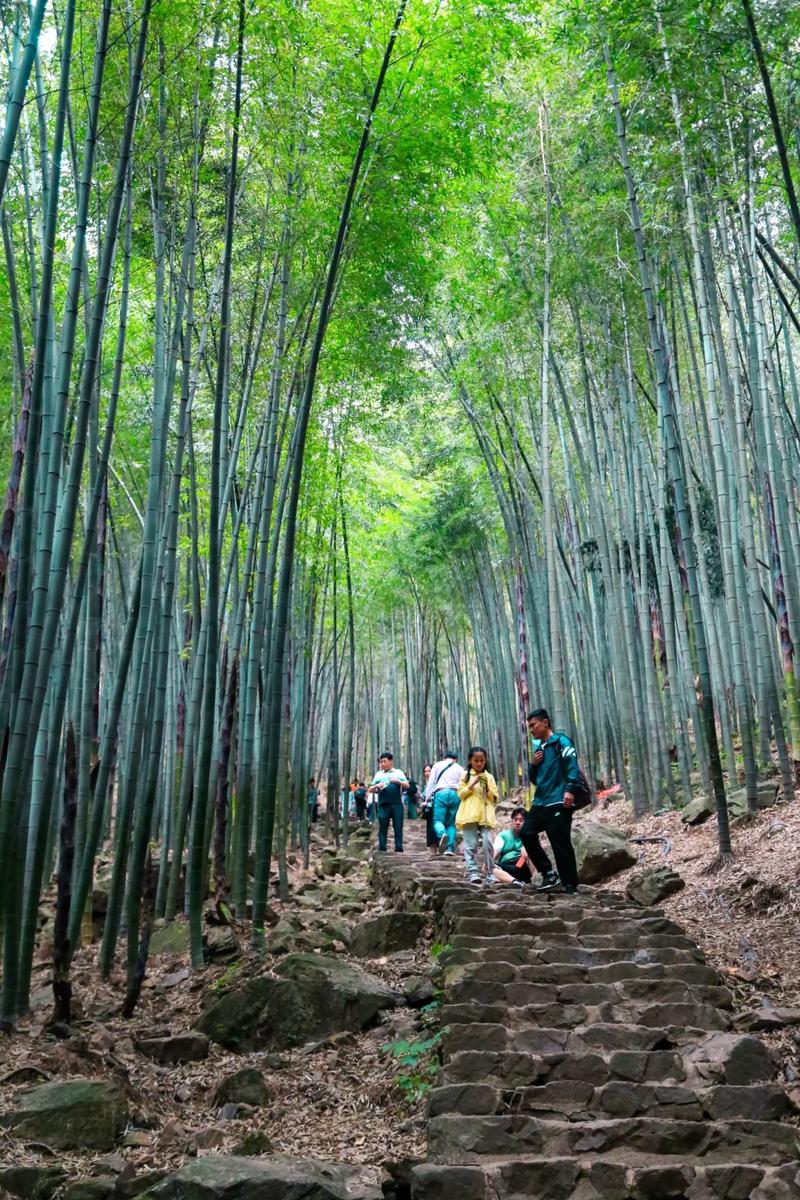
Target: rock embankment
column 590, row 1053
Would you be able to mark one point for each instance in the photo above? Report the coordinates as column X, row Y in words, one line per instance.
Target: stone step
column 465, row 1139
column 738, row 1060
column 585, row 956
column 524, row 992
column 603, row 1179
column 516, row 1069
column 699, row 1017
column 568, row 973
column 582, row 1100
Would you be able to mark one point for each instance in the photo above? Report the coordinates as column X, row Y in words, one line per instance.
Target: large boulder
column 309, row 996
column 386, row 934
column 74, row 1114
column 697, row 811
column 601, row 851
column 232, row 1178
column 655, row 884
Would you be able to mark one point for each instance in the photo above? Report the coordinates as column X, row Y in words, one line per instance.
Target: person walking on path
column 389, row 783
column 312, row 797
column 412, row 797
column 360, row 796
column 555, row 774
column 511, row 863
column 475, row 818
column 442, row 789
column 426, row 808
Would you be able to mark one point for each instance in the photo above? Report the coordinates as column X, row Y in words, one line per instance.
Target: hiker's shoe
column 448, row 852
column 489, row 881
column 517, row 883
column 442, row 843
column 549, row 881
column 570, row 889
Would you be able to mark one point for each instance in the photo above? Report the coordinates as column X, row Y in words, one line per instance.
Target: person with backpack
column 412, row 796
column 556, row 775
column 442, row 790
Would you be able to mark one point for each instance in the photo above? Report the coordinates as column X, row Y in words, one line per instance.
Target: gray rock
column 99, row 1187
column 74, row 1114
column 697, row 811
column 766, row 1019
column 246, row 1086
column 386, row 934
column 242, row 1178
column 32, row 1183
column 601, row 851
column 330, row 863
column 170, row 937
column 179, row 1048
column 650, row 886
column 309, row 996
column 221, row 944
column 419, row 990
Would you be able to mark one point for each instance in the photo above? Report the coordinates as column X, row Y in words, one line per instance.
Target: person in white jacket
column 442, row 789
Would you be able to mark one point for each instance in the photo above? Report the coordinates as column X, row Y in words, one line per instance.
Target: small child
column 475, row 817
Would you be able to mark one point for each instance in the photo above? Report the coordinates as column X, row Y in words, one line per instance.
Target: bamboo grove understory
column 373, row 373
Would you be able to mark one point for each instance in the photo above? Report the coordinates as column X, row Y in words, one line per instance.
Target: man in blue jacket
column 554, row 773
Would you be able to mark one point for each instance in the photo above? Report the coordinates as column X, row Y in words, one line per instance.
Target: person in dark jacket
column 555, row 774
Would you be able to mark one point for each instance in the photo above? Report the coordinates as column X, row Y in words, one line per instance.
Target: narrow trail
column 590, row 1053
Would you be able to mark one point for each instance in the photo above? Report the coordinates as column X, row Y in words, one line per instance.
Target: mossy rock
column 74, row 1114
column 309, row 996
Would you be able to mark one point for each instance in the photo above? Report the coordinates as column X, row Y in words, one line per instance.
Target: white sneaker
column 443, row 843
column 448, row 852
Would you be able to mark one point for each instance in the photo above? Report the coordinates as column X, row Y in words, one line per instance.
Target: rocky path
column 590, row 1054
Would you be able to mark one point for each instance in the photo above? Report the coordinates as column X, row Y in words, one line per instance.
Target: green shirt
column 512, row 847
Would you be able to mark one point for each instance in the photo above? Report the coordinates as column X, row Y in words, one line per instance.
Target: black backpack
column 584, row 793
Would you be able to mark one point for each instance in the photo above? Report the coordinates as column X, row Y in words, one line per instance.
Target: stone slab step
column 577, row 1099
column 738, row 1060
column 466, row 1139
column 565, row 1178
column 522, row 991
column 698, row 1017
column 515, row 1069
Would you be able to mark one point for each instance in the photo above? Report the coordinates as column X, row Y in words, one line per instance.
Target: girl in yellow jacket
column 475, row 817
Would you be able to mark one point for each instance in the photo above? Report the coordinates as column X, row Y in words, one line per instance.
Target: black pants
column 361, row 808
column 430, row 833
column 393, row 811
column 556, row 822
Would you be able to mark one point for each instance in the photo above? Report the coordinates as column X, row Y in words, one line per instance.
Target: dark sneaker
column 549, row 881
column 570, row 889
column 442, row 843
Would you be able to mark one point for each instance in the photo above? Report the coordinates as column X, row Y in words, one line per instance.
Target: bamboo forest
column 375, row 373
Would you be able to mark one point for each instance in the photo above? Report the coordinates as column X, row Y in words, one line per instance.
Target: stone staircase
column 590, row 1054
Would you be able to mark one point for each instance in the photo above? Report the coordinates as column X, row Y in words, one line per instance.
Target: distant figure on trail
column 555, row 774
column 478, row 795
column 360, row 796
column 511, row 863
column 412, row 795
column 312, row 796
column 389, row 783
column 442, row 789
column 426, row 807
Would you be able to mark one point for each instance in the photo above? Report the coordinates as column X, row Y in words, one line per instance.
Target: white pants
column 477, row 845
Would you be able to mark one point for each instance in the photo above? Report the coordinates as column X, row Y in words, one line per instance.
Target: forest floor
column 340, row 1099
column 744, row 913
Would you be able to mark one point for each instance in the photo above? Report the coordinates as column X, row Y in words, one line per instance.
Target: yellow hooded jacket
column 477, row 804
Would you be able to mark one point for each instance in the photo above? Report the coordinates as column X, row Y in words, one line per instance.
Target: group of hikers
column 462, row 801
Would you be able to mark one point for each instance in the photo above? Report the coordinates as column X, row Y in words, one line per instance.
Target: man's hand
column 538, row 757
column 569, row 800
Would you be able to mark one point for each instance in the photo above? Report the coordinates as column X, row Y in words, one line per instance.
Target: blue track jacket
column 558, row 771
